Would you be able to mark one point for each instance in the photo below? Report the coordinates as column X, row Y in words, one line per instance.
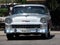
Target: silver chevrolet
column 28, row 19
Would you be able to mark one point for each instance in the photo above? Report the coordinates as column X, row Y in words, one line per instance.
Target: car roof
column 29, row 5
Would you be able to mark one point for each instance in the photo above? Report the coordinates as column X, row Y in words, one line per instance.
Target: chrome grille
column 25, row 26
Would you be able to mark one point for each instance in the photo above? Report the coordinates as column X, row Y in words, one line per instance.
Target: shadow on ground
column 33, row 38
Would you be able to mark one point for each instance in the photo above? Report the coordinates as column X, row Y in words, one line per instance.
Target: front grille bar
column 25, row 26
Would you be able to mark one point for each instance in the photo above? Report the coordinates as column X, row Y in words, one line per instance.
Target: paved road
column 54, row 40
column 52, row 32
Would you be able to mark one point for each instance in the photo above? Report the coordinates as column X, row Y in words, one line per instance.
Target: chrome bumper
column 29, row 30
column 26, row 29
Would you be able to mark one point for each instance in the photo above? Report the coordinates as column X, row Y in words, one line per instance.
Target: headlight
column 8, row 20
column 43, row 20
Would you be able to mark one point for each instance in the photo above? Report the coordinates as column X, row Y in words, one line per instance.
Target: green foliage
column 3, row 11
column 53, row 4
column 17, row 1
column 12, row 1
column 21, row 1
column 5, row 1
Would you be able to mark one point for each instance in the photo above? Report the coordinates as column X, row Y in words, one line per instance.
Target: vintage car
column 28, row 19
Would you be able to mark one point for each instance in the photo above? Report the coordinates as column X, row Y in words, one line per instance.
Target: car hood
column 27, row 18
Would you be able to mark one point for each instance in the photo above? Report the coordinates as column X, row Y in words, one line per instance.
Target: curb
column 2, row 33
column 52, row 32
column 55, row 32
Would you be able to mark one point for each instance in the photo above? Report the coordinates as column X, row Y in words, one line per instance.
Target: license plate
column 25, row 21
column 29, row 30
column 25, row 31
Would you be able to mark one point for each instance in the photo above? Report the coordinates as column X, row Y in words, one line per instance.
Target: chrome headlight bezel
column 8, row 20
column 43, row 20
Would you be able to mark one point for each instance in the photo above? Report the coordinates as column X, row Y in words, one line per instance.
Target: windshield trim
column 29, row 12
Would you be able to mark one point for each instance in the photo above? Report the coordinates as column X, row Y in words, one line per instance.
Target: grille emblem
column 25, row 21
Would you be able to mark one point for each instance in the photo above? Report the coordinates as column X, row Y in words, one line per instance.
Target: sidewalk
column 2, row 33
column 52, row 32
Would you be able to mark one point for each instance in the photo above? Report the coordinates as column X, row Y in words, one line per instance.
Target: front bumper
column 29, row 30
column 26, row 29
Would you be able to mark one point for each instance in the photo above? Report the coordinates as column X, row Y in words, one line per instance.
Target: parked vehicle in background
column 28, row 19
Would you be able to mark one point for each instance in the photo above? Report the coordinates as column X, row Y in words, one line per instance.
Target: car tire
column 47, row 35
column 9, row 36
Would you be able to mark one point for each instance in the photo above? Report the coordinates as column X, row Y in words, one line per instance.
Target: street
column 34, row 40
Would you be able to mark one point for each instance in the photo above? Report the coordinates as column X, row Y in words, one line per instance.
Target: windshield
column 29, row 9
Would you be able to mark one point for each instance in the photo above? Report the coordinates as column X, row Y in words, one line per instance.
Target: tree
column 23, row 1
column 20, row 1
column 52, row 4
column 12, row 1
column 58, row 1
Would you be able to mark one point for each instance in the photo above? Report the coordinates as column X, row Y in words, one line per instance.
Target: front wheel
column 47, row 35
column 9, row 36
